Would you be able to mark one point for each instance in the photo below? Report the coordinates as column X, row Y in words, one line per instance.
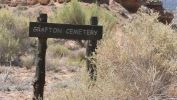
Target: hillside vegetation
column 137, row 63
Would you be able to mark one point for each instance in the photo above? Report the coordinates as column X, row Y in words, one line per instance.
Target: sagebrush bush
column 139, row 63
column 143, row 57
column 9, row 46
column 14, row 34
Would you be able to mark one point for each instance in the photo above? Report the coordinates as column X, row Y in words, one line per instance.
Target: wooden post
column 39, row 79
column 91, row 46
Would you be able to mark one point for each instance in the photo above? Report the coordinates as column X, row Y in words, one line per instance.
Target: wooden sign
column 65, row 31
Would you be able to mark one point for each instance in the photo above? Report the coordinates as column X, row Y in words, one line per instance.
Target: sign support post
column 44, row 30
column 39, row 79
column 91, row 46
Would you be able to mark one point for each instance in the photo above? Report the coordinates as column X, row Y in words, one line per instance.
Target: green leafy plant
column 72, row 14
column 105, row 18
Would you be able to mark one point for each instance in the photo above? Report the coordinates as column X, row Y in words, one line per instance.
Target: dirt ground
column 16, row 83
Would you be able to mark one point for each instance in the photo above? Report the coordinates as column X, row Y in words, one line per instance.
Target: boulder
column 166, row 17
column 131, row 5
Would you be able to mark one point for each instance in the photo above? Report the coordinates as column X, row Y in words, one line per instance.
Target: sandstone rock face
column 131, row 5
column 44, row 2
column 32, row 2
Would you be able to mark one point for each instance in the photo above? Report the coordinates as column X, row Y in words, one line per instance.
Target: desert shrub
column 50, row 41
column 105, row 18
column 141, row 60
column 9, row 46
column 14, row 34
column 74, row 13
column 60, row 51
column 139, row 63
column 52, row 64
column 28, row 62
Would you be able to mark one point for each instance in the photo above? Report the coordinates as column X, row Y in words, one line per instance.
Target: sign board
column 65, row 31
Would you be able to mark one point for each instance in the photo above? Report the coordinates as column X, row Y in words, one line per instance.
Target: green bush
column 74, row 13
column 14, row 34
column 105, row 18
column 9, row 46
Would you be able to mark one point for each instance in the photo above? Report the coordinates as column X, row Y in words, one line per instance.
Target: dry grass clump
column 143, row 63
column 28, row 61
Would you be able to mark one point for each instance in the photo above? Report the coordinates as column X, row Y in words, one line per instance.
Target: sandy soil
column 21, row 88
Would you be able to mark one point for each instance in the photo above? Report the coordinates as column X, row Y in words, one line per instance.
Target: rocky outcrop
column 131, row 5
column 165, row 16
